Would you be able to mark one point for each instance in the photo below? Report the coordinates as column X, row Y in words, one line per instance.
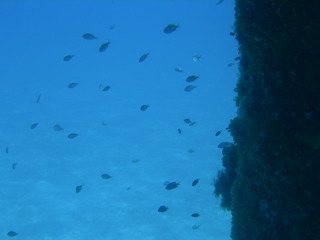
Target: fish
column 105, row 176
column 196, row 58
column 106, row 88
column 191, row 150
column 179, row 131
column 187, row 120
column 112, row 26
column 14, row 166
column 195, row 215
column 38, row 98
column 79, row 188
column 72, row 135
column 192, row 78
column 170, row 28
column 218, row 133
column 163, row 209
column 195, row 182
column 135, row 160
column 232, row 33
column 178, row 69
column 144, row 107
column 7, row 150
column 172, row 185
column 189, row 88
column 143, row 57
column 104, row 46
column 192, row 123
column 224, row 144
column 73, row 85
column 12, row 233
column 195, row 226
column 88, row 36
column 57, row 128
column 219, row 2
column 33, row 126
column 230, row 64
column 67, row 58
column 103, row 123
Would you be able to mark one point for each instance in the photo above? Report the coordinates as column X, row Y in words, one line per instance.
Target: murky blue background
column 38, row 199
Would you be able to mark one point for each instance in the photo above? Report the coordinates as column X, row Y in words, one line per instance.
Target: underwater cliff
column 271, row 176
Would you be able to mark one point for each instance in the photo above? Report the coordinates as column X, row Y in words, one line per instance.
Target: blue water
column 37, row 198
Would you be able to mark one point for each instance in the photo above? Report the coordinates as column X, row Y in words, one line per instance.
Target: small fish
column 103, row 123
column 195, row 215
column 57, row 128
column 33, row 126
column 12, row 233
column 191, row 150
column 72, row 135
column 170, row 28
column 7, row 150
column 237, row 58
column 187, row 120
column 196, row 58
column 88, row 36
column 172, row 185
column 14, row 166
column 112, row 26
column 163, row 209
column 224, row 144
column 195, row 226
column 106, row 88
column 179, row 131
column 104, row 47
column 38, row 98
column 192, row 123
column 143, row 57
column 218, row 133
column 105, row 176
column 73, row 85
column 195, row 182
column 67, row 58
column 79, row 188
column 178, row 69
column 230, row 64
column 135, row 160
column 189, row 88
column 144, row 107
column 232, row 33
column 192, row 78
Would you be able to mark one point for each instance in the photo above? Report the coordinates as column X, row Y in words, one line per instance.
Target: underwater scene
column 114, row 116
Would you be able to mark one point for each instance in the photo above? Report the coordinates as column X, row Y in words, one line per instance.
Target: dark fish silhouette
column 143, row 57
column 195, row 226
column 172, row 185
column 192, row 123
column 38, row 98
column 14, row 166
column 79, row 188
column 106, row 88
column 191, row 78
column 112, row 26
column 12, row 233
column 73, row 85
column 190, row 150
column 104, row 47
column 195, row 215
column 144, row 107
column 135, row 160
column 170, row 28
column 33, row 126
column 7, row 150
column 177, row 69
column 57, row 128
column 67, row 58
column 218, row 133
column 105, row 176
column 179, row 131
column 88, row 36
column 72, row 135
column 224, row 145
column 163, row 209
column 187, row 120
column 195, row 182
column 189, row 88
